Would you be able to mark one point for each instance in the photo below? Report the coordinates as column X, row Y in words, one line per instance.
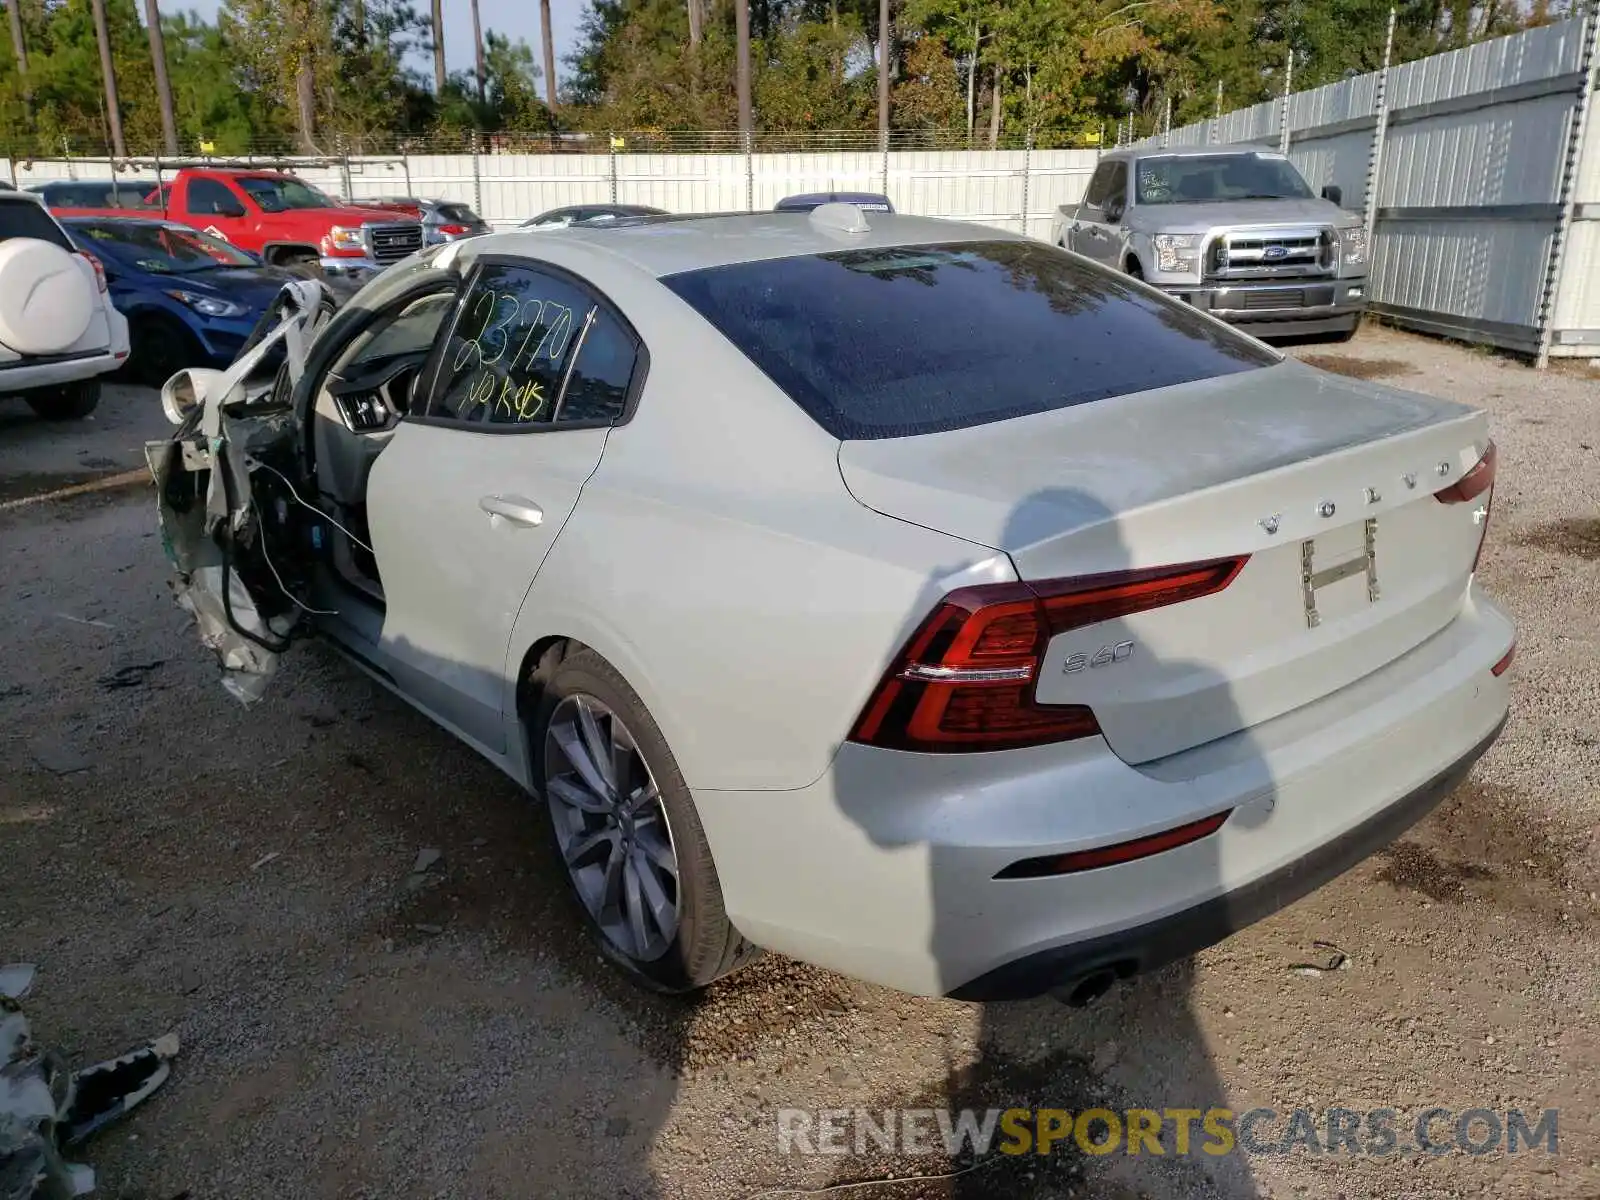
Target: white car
column 922, row 601
column 58, row 330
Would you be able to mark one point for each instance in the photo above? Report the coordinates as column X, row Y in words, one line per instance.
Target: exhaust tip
column 1084, row 991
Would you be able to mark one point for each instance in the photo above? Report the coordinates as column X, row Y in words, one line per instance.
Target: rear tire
column 161, row 348
column 606, row 848
column 70, row 402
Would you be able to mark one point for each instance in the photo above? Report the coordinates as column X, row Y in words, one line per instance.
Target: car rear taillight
column 455, row 229
column 99, row 269
column 1469, row 487
column 966, row 679
column 1473, row 484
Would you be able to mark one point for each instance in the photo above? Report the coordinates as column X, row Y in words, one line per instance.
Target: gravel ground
column 352, row 1030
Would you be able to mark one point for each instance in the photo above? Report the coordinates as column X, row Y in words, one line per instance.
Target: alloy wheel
column 611, row 828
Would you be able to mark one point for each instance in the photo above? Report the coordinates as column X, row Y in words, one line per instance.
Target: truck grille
column 391, row 243
column 1272, row 254
column 1275, row 298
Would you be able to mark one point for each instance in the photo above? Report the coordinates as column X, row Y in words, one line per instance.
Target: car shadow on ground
column 1139, row 1047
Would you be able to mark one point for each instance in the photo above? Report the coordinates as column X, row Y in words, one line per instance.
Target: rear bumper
column 1147, row 947
column 885, row 867
column 1276, row 308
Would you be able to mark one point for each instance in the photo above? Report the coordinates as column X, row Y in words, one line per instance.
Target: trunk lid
column 1241, row 465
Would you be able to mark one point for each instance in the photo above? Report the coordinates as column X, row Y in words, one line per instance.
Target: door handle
column 516, row 509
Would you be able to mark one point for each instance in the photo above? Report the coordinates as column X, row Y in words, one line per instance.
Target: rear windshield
column 25, row 219
column 459, row 213
column 916, row 339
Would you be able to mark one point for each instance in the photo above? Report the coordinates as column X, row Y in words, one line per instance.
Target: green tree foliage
column 1061, row 67
column 237, row 83
column 281, row 74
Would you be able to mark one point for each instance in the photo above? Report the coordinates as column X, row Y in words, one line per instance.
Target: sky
column 515, row 18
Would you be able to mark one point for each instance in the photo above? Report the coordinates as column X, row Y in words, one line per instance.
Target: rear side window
column 908, row 340
column 533, row 349
column 26, row 219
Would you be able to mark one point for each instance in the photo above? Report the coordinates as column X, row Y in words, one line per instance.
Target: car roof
column 1188, row 151
column 671, row 244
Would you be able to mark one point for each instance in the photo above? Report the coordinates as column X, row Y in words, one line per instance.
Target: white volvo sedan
column 911, row 598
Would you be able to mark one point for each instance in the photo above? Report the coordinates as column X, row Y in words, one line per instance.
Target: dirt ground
column 351, row 1029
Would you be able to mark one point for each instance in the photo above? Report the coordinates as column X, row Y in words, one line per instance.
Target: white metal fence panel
column 1258, row 123
column 1534, row 54
column 1347, row 100
column 1458, row 277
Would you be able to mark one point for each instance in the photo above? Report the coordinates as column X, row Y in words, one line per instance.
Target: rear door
column 472, row 491
column 1088, row 209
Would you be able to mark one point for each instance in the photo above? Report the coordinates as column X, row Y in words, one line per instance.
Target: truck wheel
column 1134, row 269
column 625, row 831
column 70, row 402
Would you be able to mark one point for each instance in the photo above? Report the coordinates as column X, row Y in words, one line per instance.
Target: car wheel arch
column 537, row 658
column 278, row 253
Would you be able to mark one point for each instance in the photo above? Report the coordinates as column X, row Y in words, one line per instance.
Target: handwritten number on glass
column 547, row 327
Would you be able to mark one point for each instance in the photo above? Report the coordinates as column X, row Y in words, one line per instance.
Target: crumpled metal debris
column 221, row 433
column 45, row 1108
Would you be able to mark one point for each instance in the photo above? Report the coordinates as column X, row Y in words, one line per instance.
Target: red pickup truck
column 284, row 220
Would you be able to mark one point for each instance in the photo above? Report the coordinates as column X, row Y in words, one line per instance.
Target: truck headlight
column 1353, row 246
column 345, row 237
column 1176, row 251
column 207, row 306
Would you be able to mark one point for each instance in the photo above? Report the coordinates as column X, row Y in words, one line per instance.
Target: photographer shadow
column 1140, row 1045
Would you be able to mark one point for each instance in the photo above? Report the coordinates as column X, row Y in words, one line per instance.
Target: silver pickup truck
column 1234, row 230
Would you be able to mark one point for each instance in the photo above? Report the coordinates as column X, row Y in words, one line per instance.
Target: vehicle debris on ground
column 46, row 1109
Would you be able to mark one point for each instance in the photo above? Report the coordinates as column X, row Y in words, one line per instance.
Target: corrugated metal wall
column 1470, row 190
column 1009, row 189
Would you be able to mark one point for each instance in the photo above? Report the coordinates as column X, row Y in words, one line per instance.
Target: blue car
column 191, row 299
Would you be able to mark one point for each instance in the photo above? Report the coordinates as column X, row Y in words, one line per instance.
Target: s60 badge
column 1102, row 657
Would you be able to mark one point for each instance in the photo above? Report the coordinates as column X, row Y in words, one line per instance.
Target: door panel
column 1098, row 236
column 474, row 488
column 454, row 572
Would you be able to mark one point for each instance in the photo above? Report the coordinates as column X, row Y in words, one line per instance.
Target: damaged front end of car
column 231, row 519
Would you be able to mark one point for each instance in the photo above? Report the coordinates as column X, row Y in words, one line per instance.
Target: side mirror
column 229, row 208
column 1333, row 194
column 1114, row 209
column 187, row 390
